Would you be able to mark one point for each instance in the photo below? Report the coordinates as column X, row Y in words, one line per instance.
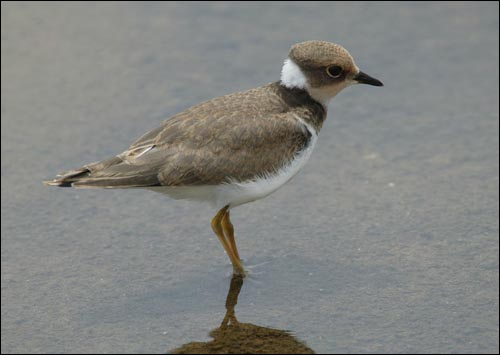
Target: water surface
column 387, row 242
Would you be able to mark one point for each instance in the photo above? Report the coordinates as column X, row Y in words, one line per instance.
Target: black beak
column 367, row 79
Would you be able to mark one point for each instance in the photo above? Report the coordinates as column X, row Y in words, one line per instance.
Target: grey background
column 386, row 242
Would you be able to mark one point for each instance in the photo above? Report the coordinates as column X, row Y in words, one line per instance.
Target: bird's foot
column 239, row 271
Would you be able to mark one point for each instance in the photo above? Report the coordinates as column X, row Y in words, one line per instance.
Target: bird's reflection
column 233, row 337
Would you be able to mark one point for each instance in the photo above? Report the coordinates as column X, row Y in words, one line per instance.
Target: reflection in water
column 233, row 337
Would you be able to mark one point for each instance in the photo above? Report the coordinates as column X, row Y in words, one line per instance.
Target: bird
column 237, row 148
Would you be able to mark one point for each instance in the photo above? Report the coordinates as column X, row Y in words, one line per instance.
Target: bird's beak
column 363, row 78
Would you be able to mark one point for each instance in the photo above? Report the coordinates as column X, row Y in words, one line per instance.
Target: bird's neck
column 293, row 77
column 300, row 101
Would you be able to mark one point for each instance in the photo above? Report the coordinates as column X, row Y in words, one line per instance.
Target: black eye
column 334, row 71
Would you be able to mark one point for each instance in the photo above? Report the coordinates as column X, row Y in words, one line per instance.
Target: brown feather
column 236, row 137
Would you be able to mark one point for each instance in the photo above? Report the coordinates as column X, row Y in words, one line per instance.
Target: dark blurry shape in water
column 233, row 337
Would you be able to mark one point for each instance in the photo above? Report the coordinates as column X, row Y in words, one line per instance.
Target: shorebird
column 237, row 148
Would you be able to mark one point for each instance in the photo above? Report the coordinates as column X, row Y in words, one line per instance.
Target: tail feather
column 110, row 173
column 116, row 182
column 67, row 178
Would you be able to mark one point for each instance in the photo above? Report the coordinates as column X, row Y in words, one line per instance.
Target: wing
column 229, row 151
column 229, row 138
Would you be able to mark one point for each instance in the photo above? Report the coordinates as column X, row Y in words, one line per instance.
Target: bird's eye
column 334, row 71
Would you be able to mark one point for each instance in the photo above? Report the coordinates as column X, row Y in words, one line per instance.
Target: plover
column 237, row 148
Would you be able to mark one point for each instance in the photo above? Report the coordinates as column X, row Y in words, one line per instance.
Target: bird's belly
column 238, row 193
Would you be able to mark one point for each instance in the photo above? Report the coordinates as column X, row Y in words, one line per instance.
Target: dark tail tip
column 56, row 182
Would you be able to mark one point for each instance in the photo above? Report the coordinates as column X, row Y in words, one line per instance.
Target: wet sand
column 387, row 242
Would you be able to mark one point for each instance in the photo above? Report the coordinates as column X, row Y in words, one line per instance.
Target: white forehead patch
column 292, row 76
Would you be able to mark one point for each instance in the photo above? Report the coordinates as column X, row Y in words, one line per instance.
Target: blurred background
column 386, row 243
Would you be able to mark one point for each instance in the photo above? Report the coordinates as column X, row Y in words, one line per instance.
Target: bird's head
column 323, row 69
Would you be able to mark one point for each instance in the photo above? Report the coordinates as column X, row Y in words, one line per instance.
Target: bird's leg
column 228, row 229
column 217, row 227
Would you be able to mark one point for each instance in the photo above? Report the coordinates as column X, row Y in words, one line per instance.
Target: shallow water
column 387, row 242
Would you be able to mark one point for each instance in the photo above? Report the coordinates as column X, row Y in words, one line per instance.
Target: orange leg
column 228, row 229
column 218, row 225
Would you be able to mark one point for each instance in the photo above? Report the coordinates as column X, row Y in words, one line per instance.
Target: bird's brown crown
column 314, row 54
